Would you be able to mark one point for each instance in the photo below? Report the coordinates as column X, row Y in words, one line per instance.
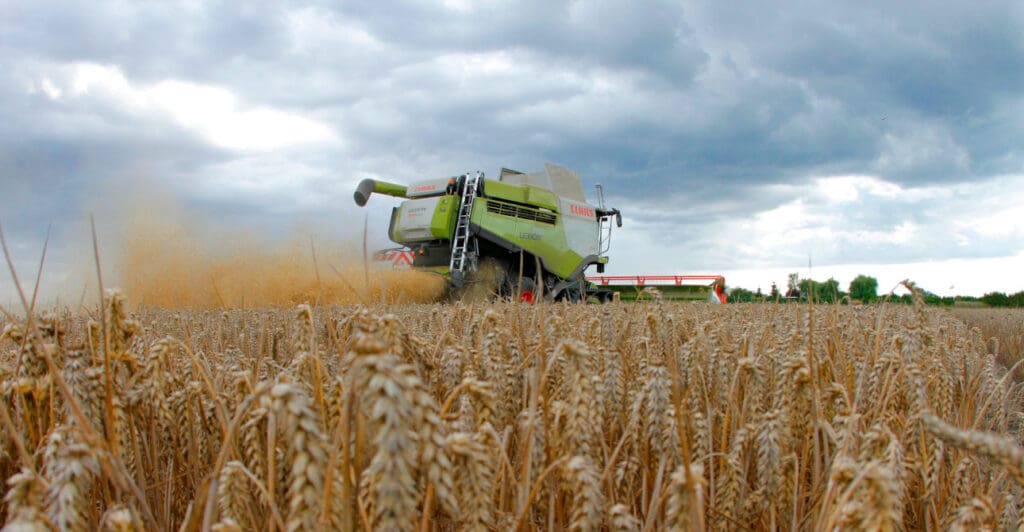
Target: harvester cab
column 531, row 235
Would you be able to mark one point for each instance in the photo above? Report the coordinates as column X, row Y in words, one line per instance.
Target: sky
column 749, row 139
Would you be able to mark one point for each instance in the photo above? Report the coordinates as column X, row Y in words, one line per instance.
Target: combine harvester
column 526, row 236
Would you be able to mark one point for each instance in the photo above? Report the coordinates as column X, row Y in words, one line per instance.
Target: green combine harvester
column 530, row 236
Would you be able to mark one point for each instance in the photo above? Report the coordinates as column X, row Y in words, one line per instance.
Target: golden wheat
column 475, row 416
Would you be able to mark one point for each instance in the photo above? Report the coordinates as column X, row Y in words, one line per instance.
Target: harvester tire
column 524, row 291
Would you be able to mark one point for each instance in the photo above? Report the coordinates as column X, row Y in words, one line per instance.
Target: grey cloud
column 608, row 33
column 685, row 111
column 150, row 41
column 959, row 68
column 817, row 93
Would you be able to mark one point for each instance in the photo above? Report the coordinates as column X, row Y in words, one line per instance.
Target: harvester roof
column 560, row 180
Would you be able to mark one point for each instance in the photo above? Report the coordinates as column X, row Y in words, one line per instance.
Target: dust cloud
column 167, row 259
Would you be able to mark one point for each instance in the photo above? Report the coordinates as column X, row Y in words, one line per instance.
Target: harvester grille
column 516, row 211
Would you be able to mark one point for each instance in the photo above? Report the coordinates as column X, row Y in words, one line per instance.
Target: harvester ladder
column 460, row 240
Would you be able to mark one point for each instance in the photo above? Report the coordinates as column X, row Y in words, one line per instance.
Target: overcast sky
column 744, row 138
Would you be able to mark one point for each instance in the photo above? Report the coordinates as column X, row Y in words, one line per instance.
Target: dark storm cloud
column 937, row 63
column 768, row 96
column 907, row 91
column 149, row 41
column 957, row 70
column 687, row 112
column 654, row 37
column 745, row 95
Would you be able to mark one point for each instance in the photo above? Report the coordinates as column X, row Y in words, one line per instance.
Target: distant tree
column 828, row 292
column 741, row 295
column 996, row 299
column 864, row 288
column 823, row 292
column 775, row 291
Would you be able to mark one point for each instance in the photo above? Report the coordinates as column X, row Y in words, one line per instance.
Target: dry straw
column 481, row 416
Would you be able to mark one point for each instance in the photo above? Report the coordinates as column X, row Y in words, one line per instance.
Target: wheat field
column 496, row 416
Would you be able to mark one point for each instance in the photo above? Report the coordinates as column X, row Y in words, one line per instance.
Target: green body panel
column 546, row 241
column 442, row 225
column 424, row 219
column 391, row 189
column 367, row 187
column 515, row 217
column 525, row 194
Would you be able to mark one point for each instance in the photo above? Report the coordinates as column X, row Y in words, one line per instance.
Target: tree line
column 864, row 289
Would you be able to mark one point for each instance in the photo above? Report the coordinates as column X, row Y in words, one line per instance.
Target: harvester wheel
column 483, row 284
column 526, row 291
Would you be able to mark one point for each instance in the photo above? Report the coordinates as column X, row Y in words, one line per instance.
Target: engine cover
column 424, row 219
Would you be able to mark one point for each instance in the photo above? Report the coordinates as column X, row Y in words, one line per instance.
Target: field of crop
column 1003, row 333
column 498, row 416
